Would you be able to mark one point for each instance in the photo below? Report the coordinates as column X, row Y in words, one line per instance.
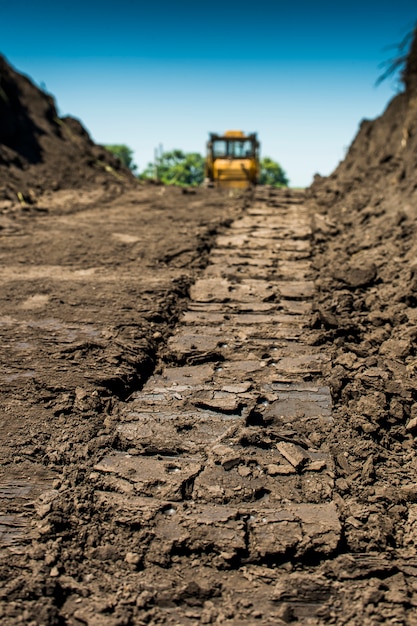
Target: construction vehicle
column 232, row 160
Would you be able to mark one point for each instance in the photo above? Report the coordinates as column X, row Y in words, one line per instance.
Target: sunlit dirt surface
column 175, row 448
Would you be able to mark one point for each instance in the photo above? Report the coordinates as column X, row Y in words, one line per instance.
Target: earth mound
column 366, row 212
column 40, row 151
column 380, row 169
column 365, row 226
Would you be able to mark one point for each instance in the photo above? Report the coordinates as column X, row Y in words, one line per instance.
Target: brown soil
column 208, row 402
column 89, row 296
column 365, row 221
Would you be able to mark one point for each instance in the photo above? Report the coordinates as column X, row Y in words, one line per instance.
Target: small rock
column 412, row 425
column 237, row 387
column 144, row 599
column 356, row 276
column 54, row 572
column 272, row 470
column 43, row 509
column 323, row 224
column 106, row 553
column 85, row 400
column 315, row 466
column 225, row 456
column 209, row 613
column 373, row 595
column 398, row 348
column 279, row 470
column 228, row 404
column 409, row 492
column 293, row 453
column 342, row 462
column 353, row 522
column 348, row 360
column 368, row 471
column 327, row 318
column 192, row 614
column 64, row 404
column 285, row 612
column 132, row 557
column 342, row 484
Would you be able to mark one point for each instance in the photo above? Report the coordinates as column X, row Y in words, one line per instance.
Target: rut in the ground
column 219, row 456
column 220, row 478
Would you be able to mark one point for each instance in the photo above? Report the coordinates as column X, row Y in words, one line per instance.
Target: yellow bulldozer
column 232, row 160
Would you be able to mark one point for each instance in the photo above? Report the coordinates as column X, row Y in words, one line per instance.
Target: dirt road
column 170, row 449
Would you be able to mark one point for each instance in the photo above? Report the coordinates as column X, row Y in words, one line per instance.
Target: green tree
column 177, row 168
column 124, row 154
column 271, row 173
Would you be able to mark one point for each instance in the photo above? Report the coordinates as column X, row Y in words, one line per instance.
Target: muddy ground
column 170, row 452
column 90, row 292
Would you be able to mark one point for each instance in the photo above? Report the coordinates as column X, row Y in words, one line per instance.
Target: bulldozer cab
column 233, row 148
column 233, row 159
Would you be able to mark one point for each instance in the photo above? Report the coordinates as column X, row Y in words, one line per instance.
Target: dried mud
column 171, row 452
column 88, row 300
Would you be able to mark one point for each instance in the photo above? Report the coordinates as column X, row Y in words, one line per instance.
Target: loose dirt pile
column 366, row 248
column 366, row 320
column 39, row 151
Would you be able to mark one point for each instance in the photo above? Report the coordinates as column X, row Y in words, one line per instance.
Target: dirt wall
column 40, row 151
column 380, row 166
column 365, row 223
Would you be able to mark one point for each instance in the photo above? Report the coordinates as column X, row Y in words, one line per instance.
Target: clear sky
column 301, row 73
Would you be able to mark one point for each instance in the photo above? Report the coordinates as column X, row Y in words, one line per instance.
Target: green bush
column 176, row 168
column 124, row 154
column 271, row 173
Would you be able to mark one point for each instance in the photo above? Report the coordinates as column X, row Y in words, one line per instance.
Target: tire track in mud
column 220, row 466
column 67, row 365
column 217, row 471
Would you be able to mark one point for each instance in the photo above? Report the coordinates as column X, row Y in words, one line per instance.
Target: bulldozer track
column 217, row 455
column 192, row 477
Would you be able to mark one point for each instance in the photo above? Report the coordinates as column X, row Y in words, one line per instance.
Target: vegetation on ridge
column 186, row 169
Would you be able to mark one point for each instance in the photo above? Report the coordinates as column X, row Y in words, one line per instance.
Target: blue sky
column 301, row 74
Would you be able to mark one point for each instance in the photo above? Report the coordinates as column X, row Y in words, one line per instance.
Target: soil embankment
column 39, row 151
column 365, row 255
column 365, row 226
